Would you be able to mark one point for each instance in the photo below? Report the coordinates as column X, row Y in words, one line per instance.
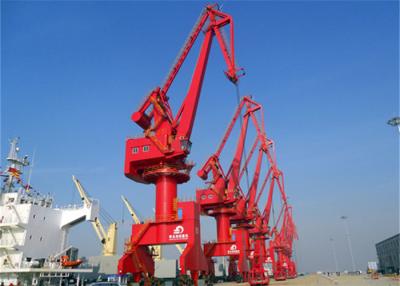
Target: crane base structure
column 225, row 246
column 258, row 258
column 137, row 258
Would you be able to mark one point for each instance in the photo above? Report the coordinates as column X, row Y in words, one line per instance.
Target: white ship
column 34, row 247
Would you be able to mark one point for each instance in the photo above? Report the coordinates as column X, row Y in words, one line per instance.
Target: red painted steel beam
column 159, row 157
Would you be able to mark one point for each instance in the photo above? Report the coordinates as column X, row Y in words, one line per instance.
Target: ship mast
column 15, row 166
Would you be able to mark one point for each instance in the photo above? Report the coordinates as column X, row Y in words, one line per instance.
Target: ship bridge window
column 41, row 238
column 30, row 237
column 44, row 218
column 135, row 150
column 146, row 148
column 34, row 216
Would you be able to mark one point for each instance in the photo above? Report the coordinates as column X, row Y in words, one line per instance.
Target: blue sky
column 326, row 73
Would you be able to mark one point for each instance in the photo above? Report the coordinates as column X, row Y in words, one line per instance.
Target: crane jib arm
column 166, row 140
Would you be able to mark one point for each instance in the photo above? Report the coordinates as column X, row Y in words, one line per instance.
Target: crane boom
column 82, row 193
column 85, row 198
column 167, row 137
column 131, row 210
column 254, row 185
column 229, row 54
column 109, row 238
column 98, row 227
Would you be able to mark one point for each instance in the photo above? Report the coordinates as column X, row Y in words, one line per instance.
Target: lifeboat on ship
column 65, row 262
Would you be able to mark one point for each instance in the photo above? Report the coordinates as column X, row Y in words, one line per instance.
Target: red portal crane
column 219, row 199
column 281, row 238
column 159, row 157
column 247, row 208
column 225, row 200
column 261, row 231
column 282, row 246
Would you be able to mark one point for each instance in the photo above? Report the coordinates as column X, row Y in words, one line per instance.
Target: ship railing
column 36, row 199
column 9, row 222
column 8, row 243
column 70, row 206
column 52, row 265
column 14, row 215
column 9, row 266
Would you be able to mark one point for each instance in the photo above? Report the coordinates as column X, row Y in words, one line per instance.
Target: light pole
column 346, row 227
column 395, row 121
column 334, row 254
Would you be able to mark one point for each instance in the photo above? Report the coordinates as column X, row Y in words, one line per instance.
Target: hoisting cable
column 102, row 212
column 294, row 253
column 244, row 143
column 273, row 214
column 106, row 217
column 238, row 104
column 122, row 214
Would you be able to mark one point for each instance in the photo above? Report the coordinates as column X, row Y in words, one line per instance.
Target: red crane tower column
column 159, row 158
column 218, row 200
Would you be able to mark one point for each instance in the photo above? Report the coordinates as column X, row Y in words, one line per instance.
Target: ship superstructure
column 33, row 233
